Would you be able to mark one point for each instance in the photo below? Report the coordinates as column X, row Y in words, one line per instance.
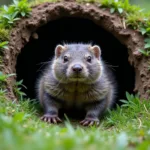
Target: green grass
column 127, row 127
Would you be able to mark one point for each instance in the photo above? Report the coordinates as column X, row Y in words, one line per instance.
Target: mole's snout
column 77, row 68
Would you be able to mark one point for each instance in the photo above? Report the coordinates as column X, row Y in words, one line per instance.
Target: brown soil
column 112, row 23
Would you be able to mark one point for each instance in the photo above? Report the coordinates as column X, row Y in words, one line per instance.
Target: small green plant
column 119, row 6
column 2, row 92
column 146, row 50
column 8, row 19
column 3, row 77
column 21, row 8
column 17, row 89
column 3, row 45
column 132, row 109
column 9, row 15
column 114, row 5
column 132, row 101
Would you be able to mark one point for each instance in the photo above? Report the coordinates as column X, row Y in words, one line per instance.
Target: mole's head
column 77, row 62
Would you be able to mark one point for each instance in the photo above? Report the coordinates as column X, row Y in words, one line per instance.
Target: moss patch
column 4, row 34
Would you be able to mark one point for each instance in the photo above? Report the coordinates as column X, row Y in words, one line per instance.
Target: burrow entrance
column 60, row 22
column 33, row 57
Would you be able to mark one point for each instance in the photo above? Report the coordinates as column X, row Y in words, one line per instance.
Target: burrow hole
column 31, row 60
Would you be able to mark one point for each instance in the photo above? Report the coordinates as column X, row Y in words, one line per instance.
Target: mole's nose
column 77, row 68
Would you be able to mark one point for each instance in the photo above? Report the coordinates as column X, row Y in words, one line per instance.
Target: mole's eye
column 65, row 59
column 89, row 58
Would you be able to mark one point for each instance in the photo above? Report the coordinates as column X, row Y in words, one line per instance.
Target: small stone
column 137, row 54
column 35, row 35
column 87, row 4
column 7, row 57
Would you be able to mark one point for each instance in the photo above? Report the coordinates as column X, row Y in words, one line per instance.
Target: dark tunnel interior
column 31, row 60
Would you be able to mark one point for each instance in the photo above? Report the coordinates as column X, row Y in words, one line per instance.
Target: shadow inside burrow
column 33, row 57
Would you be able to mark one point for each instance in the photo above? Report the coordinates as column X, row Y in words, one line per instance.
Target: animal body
column 78, row 78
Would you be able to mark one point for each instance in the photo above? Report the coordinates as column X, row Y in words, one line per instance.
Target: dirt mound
column 112, row 23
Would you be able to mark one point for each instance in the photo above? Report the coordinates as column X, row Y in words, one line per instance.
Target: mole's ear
column 59, row 49
column 96, row 50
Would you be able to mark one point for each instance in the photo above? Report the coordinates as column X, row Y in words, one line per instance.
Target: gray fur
column 95, row 92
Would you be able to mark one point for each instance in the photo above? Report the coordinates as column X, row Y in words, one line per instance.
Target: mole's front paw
column 90, row 122
column 51, row 118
